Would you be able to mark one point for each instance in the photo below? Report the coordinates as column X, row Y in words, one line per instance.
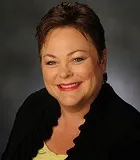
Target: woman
column 78, row 115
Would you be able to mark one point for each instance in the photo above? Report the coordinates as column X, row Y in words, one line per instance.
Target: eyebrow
column 69, row 54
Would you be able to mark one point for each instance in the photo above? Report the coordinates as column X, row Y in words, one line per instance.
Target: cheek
column 86, row 72
column 91, row 76
column 48, row 78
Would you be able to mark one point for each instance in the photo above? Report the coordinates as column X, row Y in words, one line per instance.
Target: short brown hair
column 76, row 15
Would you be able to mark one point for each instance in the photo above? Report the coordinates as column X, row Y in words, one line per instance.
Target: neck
column 73, row 116
column 72, row 119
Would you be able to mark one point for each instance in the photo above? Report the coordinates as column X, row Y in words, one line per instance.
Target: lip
column 69, row 88
column 68, row 83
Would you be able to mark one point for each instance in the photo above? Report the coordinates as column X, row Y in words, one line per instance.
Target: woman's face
column 71, row 69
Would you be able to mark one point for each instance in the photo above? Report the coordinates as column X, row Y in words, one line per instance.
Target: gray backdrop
column 19, row 63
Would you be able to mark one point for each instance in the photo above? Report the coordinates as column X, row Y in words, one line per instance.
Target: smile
column 68, row 87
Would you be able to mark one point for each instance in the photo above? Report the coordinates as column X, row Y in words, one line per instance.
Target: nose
column 65, row 72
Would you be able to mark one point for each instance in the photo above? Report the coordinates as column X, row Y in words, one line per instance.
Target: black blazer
column 111, row 130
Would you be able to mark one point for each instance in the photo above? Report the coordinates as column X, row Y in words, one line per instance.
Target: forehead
column 67, row 39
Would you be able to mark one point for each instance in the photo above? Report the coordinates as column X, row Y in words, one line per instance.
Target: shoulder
column 116, row 116
column 33, row 100
column 118, row 105
column 125, row 123
column 33, row 108
column 27, row 117
column 35, row 103
column 124, row 110
column 123, row 118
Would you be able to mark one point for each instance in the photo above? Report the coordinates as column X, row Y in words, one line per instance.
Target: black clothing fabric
column 111, row 130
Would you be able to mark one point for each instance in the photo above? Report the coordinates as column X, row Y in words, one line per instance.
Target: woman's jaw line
column 78, row 109
column 74, row 111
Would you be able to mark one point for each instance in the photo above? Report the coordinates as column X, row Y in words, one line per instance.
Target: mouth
column 69, row 87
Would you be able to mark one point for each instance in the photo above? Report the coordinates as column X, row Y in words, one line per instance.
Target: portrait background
column 20, row 73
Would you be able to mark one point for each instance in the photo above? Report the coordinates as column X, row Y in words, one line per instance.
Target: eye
column 51, row 63
column 79, row 59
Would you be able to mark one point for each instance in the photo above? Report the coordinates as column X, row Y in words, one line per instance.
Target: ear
column 103, row 61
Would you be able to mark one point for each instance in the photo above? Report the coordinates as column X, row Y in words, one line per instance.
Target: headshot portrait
column 72, row 91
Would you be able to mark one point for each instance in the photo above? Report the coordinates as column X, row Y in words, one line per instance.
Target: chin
column 68, row 102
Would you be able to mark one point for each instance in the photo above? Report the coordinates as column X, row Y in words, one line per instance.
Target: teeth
column 69, row 86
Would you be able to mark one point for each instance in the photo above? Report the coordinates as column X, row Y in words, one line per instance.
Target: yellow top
column 45, row 153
